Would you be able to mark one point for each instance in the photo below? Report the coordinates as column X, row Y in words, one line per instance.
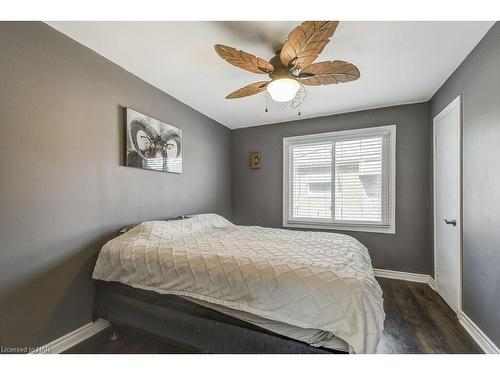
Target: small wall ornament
column 255, row 159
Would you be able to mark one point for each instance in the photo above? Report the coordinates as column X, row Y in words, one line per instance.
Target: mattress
column 317, row 281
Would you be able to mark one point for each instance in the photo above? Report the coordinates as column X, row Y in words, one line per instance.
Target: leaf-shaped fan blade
column 328, row 73
column 252, row 89
column 299, row 98
column 243, row 60
column 306, row 42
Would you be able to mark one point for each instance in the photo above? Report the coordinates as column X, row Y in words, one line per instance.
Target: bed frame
column 194, row 327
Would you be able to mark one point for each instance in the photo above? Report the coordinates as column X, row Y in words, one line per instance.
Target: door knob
column 452, row 222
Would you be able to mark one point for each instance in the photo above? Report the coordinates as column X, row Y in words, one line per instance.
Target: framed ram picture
column 152, row 144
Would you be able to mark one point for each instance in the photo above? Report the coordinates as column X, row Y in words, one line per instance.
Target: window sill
column 340, row 227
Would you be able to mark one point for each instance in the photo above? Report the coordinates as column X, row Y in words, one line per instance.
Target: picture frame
column 152, row 144
column 255, row 160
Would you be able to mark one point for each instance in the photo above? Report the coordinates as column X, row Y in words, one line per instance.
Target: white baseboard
column 78, row 335
column 408, row 276
column 431, row 282
column 479, row 336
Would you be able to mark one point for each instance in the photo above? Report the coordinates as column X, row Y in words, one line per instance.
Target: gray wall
column 64, row 191
column 257, row 193
column 478, row 80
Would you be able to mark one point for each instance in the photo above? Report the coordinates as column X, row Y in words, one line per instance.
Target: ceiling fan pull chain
column 298, row 114
column 266, row 104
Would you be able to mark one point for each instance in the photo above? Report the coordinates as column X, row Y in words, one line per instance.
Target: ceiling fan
column 292, row 67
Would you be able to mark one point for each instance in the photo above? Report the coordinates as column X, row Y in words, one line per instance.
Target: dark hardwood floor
column 417, row 321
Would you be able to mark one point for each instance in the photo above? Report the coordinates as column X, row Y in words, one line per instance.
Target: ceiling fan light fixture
column 283, row 89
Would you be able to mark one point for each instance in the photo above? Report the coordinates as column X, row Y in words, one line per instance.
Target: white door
column 447, row 204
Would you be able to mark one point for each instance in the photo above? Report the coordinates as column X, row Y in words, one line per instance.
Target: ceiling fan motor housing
column 280, row 71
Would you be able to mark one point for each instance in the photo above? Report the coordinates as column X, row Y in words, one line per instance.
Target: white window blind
column 343, row 180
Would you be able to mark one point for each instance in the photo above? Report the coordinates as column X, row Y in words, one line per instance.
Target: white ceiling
column 400, row 62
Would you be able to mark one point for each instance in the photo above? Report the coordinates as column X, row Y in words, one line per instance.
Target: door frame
column 456, row 103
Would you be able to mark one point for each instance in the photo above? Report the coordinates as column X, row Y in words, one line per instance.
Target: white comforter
column 312, row 280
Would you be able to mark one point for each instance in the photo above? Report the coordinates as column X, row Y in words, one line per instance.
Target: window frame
column 321, row 223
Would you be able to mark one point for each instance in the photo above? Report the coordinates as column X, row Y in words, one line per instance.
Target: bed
column 218, row 287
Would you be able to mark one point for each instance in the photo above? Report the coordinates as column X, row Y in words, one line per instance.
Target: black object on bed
column 190, row 324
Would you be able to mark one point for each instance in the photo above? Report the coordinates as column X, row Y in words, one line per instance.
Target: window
column 343, row 180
